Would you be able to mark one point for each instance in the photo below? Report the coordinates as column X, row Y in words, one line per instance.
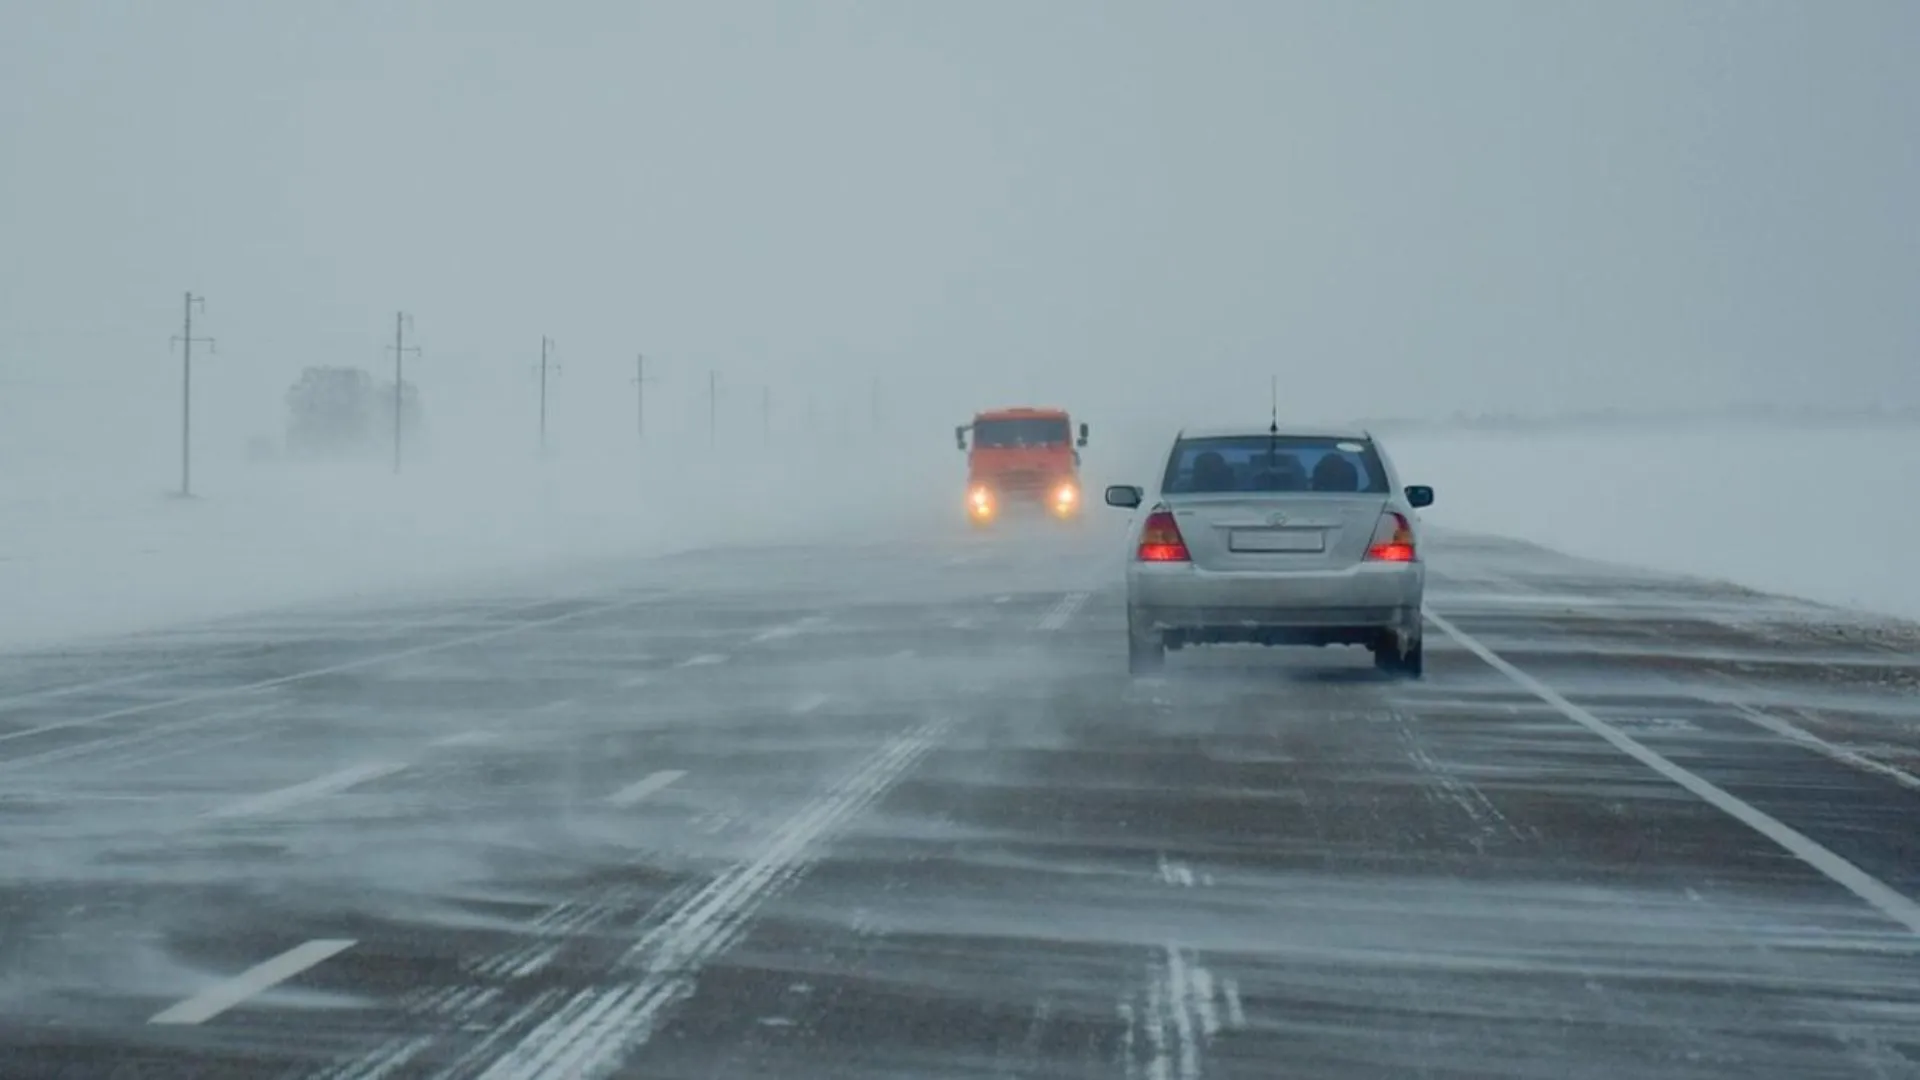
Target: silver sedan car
column 1276, row 538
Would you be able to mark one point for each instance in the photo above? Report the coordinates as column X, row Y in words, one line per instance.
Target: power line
column 187, row 340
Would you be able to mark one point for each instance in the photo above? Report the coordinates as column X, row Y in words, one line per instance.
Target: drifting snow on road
column 921, row 823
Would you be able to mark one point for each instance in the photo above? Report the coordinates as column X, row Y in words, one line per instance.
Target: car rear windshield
column 1260, row 463
column 1036, row 431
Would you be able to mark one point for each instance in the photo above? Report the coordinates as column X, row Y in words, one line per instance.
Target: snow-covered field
column 103, row 551
column 1816, row 514
column 1824, row 515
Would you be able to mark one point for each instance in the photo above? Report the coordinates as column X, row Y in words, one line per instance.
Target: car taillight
column 1160, row 539
column 1392, row 540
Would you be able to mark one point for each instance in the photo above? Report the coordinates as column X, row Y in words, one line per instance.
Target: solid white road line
column 645, row 786
column 391, row 630
column 70, row 689
column 1814, row 742
column 211, row 1003
column 810, row 703
column 145, row 735
column 335, row 669
column 1857, row 881
column 270, row 801
column 703, row 660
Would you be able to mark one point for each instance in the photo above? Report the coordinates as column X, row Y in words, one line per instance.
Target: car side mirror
column 960, row 436
column 1124, row 496
column 1083, row 434
column 1419, row 495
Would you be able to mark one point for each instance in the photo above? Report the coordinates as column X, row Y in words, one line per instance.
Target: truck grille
column 1021, row 482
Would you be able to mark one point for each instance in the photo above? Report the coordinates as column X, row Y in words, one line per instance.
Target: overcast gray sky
column 1110, row 205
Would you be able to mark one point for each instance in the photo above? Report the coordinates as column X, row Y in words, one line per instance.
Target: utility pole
column 400, row 349
column 640, row 394
column 187, row 340
column 546, row 345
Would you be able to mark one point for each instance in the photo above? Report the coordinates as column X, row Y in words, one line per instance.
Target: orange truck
column 1022, row 460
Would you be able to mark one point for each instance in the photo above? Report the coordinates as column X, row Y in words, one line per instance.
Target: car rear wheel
column 1394, row 655
column 1146, row 652
column 1413, row 662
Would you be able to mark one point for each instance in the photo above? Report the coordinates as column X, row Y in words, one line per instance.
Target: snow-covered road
column 894, row 809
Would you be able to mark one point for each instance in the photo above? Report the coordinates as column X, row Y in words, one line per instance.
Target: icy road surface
column 895, row 810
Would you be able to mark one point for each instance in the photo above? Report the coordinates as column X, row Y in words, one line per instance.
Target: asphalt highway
column 894, row 809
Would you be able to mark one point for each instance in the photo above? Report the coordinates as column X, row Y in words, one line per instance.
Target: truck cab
column 1022, row 460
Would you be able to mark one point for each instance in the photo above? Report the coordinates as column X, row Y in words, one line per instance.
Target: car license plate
column 1289, row 540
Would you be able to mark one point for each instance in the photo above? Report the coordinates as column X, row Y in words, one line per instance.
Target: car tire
column 1146, row 652
column 1386, row 653
column 1393, row 657
column 1413, row 662
column 1145, row 657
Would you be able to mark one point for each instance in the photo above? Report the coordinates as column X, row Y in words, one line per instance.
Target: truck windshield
column 1038, row 431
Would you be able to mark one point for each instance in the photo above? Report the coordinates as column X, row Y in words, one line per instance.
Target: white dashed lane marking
column 787, row 630
column 283, row 798
column 645, row 786
column 218, row 999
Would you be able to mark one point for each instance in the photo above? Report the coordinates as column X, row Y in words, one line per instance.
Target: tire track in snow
column 452, row 1008
column 1184, row 1009
column 594, row 1030
column 1168, row 1026
column 1444, row 785
column 1057, row 616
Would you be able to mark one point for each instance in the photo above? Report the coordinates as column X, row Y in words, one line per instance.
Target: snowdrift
column 1821, row 514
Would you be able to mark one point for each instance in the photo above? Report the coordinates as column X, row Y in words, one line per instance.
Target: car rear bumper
column 1354, row 605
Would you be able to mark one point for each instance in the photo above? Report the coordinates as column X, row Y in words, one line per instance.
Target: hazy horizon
column 1128, row 209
